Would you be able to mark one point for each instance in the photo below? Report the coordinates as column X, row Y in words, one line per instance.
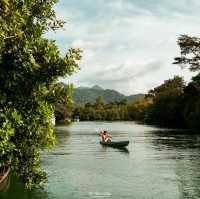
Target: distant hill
column 83, row 95
column 135, row 97
column 96, row 87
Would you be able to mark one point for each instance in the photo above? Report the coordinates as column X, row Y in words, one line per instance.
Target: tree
column 190, row 52
column 137, row 110
column 166, row 103
column 190, row 56
column 174, row 86
column 30, row 65
column 64, row 107
column 191, row 109
column 99, row 104
column 123, row 102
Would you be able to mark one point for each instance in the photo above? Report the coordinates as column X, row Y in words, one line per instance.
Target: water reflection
column 62, row 135
column 183, row 148
column 124, row 150
column 174, row 139
column 117, row 149
column 16, row 190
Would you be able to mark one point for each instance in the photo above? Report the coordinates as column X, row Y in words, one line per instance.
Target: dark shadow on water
column 174, row 139
column 181, row 151
column 119, row 149
column 16, row 190
column 123, row 150
column 62, row 136
column 58, row 153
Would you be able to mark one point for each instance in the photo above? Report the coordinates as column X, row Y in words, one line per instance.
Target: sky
column 128, row 45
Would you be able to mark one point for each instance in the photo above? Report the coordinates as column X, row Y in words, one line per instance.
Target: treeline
column 101, row 111
column 172, row 104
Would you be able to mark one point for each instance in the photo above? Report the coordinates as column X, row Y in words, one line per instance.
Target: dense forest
column 101, row 111
column 172, row 104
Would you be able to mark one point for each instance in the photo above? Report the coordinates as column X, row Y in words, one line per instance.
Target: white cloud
column 128, row 45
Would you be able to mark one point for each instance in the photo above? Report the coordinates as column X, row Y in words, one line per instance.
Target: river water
column 158, row 163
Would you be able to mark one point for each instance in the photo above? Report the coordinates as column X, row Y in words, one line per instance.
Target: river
column 158, row 163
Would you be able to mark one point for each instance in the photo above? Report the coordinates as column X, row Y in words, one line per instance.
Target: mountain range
column 82, row 95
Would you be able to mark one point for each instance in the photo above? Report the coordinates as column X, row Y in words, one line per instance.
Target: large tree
column 30, row 65
column 167, row 103
column 190, row 57
column 191, row 109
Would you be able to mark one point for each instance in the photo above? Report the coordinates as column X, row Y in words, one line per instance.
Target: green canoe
column 117, row 144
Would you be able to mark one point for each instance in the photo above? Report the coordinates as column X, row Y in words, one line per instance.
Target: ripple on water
column 158, row 163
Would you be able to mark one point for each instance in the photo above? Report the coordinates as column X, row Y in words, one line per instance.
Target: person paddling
column 105, row 137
